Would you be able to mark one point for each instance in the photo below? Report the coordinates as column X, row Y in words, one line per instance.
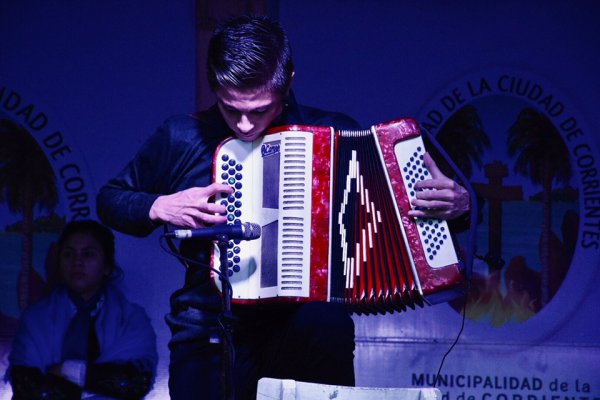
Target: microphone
column 245, row 231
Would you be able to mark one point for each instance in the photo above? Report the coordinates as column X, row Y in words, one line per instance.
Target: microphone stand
column 227, row 392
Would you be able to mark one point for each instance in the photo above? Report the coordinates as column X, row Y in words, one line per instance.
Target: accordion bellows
column 332, row 209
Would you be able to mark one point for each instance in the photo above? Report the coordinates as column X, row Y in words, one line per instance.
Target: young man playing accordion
column 169, row 182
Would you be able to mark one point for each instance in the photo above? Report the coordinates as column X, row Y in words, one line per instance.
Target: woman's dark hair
column 101, row 233
column 250, row 52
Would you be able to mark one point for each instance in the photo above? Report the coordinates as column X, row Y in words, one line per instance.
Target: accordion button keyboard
column 232, row 176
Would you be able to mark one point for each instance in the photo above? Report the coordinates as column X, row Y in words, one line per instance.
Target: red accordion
column 332, row 208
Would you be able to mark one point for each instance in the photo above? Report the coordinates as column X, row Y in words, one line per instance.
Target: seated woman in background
column 85, row 338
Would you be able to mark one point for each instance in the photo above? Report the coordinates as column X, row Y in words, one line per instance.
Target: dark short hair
column 250, row 52
column 101, row 233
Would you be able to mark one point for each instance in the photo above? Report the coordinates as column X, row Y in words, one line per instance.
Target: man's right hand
column 191, row 208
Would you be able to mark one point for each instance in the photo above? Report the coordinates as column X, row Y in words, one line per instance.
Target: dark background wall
column 106, row 74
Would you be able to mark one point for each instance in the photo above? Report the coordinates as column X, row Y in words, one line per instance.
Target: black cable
column 185, row 260
column 166, row 244
column 172, row 247
column 462, row 327
column 471, row 241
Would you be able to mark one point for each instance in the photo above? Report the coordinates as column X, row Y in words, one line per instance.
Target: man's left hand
column 447, row 200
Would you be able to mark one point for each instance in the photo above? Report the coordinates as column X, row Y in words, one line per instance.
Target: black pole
column 227, row 392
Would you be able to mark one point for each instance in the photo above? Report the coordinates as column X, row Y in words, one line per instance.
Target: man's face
column 249, row 113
